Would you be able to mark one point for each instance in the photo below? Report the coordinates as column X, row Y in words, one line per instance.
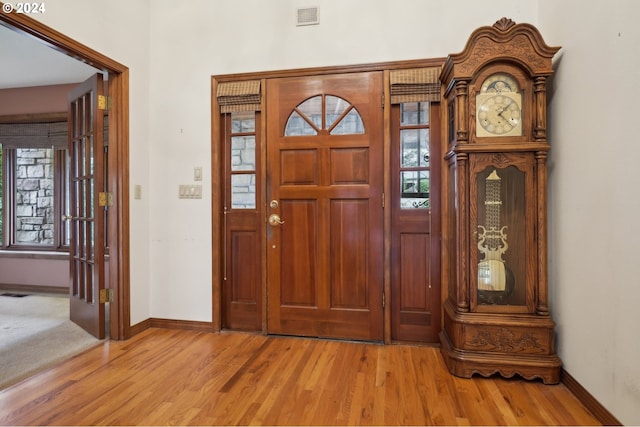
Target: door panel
column 302, row 250
column 302, row 167
column 350, row 253
column 245, row 274
column 324, row 260
column 350, row 166
column 87, row 217
column 414, row 269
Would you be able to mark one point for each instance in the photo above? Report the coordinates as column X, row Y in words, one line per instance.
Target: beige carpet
column 35, row 333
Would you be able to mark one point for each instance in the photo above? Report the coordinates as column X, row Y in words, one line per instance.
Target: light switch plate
column 197, row 173
column 188, row 191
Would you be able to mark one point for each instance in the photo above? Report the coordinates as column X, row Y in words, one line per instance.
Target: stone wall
column 34, row 203
column 243, row 159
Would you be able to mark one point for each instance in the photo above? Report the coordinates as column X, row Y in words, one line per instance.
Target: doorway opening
column 118, row 169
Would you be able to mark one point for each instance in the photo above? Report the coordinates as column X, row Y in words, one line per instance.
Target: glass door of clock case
column 502, row 230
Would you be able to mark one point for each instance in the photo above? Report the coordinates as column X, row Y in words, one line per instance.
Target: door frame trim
column 118, row 170
column 217, row 169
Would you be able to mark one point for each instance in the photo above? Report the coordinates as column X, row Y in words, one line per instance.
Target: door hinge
column 104, row 102
column 383, row 299
column 106, row 295
column 383, row 100
column 105, row 199
column 383, row 200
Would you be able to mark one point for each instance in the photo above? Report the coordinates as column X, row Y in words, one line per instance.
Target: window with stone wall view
column 243, row 160
column 32, row 176
column 34, row 196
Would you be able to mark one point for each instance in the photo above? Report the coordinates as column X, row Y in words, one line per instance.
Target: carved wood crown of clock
column 496, row 87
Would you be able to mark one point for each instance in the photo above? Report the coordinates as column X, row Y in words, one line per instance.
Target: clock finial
column 503, row 24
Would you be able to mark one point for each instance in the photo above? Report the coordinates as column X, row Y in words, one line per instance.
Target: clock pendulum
column 495, row 279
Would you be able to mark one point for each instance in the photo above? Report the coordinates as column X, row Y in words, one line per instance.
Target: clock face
column 499, row 107
column 500, row 114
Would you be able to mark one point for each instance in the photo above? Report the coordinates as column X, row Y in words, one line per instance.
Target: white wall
column 595, row 197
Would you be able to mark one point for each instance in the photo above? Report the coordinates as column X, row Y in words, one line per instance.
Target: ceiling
column 25, row 61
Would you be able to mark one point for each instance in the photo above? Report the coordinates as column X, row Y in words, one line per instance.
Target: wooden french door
column 325, row 206
column 86, row 230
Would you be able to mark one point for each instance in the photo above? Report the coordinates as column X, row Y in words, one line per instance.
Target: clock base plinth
column 488, row 344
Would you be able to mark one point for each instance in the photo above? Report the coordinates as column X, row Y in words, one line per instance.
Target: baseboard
column 182, row 324
column 591, row 403
column 138, row 328
column 188, row 325
column 34, row 288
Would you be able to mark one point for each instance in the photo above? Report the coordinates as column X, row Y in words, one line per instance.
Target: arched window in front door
column 324, row 114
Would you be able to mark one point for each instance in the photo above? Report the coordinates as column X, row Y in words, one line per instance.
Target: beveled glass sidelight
column 242, row 160
column 414, row 113
column 501, row 236
column 415, row 161
column 414, row 191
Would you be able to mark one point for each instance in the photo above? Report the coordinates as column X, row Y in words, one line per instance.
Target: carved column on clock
column 496, row 313
column 462, row 128
column 540, row 95
column 542, row 305
column 462, row 231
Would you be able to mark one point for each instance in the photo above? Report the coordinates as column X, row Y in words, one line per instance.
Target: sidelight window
column 240, row 103
column 243, row 160
column 414, row 156
column 413, row 90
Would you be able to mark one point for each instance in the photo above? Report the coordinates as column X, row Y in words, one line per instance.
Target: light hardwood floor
column 164, row 377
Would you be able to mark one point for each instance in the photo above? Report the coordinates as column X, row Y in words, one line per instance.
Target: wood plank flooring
column 167, row 377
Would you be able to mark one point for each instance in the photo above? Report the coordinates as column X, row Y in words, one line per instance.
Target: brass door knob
column 274, row 220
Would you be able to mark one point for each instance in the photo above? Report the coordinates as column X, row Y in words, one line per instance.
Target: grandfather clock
column 496, row 316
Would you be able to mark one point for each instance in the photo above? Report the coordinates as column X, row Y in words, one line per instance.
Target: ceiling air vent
column 307, row 16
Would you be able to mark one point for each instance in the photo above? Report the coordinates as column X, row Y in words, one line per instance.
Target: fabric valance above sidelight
column 415, row 85
column 239, row 96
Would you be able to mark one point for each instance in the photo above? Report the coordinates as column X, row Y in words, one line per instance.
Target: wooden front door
column 325, row 206
column 86, row 181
